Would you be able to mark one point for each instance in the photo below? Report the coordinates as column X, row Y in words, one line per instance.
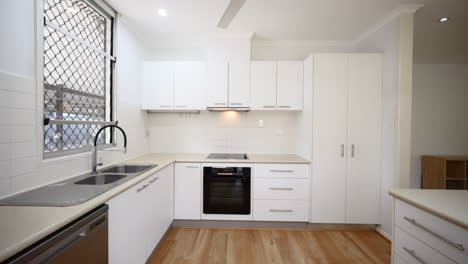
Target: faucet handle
column 100, row 163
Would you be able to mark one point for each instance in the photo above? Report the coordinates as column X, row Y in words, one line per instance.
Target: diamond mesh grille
column 76, row 77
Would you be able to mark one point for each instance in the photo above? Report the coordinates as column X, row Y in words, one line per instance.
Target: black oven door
column 226, row 190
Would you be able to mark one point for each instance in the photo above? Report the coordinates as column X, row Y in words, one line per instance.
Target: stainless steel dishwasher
column 83, row 241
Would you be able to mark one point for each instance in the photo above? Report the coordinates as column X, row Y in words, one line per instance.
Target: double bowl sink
column 113, row 174
column 78, row 189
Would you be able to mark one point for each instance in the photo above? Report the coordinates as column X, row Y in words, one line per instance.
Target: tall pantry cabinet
column 346, row 150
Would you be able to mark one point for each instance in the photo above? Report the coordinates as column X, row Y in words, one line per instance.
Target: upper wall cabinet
column 157, row 86
column 239, row 85
column 173, row 85
column 189, row 85
column 217, row 84
column 290, row 89
column 263, row 85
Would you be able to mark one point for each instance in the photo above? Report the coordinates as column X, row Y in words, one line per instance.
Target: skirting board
column 261, row 224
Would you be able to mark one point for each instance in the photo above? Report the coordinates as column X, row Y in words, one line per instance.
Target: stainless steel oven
column 226, row 191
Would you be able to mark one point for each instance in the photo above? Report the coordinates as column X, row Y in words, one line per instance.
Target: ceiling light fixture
column 444, row 19
column 162, row 12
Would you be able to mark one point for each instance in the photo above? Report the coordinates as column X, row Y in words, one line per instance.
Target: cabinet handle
column 281, row 189
column 281, row 211
column 236, row 103
column 413, row 254
column 153, row 180
column 352, row 150
column 342, row 150
column 446, row 240
column 165, row 106
column 268, row 106
column 192, row 167
column 282, row 171
column 180, row 106
column 284, row 106
column 142, row 187
column 219, row 103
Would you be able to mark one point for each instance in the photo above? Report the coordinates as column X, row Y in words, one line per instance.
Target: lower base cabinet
column 139, row 217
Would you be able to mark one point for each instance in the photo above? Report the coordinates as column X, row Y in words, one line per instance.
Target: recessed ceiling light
column 444, row 19
column 162, row 12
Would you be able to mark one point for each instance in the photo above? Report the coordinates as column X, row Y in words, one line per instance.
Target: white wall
column 223, row 132
column 440, row 113
column 21, row 163
column 386, row 41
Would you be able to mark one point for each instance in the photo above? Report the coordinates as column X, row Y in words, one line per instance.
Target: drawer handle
column 448, row 241
column 153, row 180
column 281, row 189
column 284, row 106
column 165, row 106
column 219, row 103
column 281, row 170
column 142, row 188
column 413, row 254
column 281, row 211
column 192, row 167
column 236, row 103
column 268, row 106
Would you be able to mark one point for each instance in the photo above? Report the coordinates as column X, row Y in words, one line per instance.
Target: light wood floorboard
column 232, row 246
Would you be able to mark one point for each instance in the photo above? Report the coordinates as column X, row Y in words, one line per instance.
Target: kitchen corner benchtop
column 451, row 205
column 22, row 226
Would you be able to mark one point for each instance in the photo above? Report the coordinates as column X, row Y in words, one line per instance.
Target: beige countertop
column 451, row 205
column 22, row 226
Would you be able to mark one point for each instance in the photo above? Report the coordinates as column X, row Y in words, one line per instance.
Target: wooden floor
column 218, row 245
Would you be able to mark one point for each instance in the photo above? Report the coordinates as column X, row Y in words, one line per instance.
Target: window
column 78, row 66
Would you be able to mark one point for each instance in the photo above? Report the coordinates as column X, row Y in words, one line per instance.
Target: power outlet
column 260, row 123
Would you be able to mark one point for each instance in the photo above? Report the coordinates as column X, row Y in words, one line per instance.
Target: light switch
column 260, row 123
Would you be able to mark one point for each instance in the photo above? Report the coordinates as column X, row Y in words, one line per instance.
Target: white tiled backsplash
column 224, row 132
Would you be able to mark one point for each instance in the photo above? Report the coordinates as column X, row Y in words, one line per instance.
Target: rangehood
column 224, row 109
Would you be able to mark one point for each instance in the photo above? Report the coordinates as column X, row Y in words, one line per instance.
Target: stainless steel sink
column 101, row 179
column 78, row 189
column 127, row 168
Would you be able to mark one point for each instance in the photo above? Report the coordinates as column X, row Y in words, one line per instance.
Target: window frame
column 111, row 14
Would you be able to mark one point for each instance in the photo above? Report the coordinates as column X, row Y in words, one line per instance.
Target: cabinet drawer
column 449, row 239
column 281, row 189
column 280, row 210
column 398, row 260
column 281, row 171
column 414, row 251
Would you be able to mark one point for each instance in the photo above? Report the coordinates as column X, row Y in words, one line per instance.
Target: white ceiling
column 192, row 21
column 441, row 43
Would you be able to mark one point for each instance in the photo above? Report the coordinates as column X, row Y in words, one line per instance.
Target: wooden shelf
column 445, row 172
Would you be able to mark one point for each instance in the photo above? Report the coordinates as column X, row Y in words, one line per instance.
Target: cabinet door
column 189, row 85
column 157, row 85
column 329, row 138
column 217, row 84
column 127, row 227
column 187, row 191
column 263, row 85
column 239, row 84
column 364, row 138
column 290, row 85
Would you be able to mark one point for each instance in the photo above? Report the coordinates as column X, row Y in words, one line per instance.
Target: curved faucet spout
column 95, row 150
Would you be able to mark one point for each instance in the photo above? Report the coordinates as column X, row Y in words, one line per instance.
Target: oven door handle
column 226, row 174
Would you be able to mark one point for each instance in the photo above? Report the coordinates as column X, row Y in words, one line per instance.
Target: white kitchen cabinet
column 239, row 84
column 290, row 91
column 139, row 217
column 157, row 85
column 364, row 138
column 346, row 138
column 281, row 192
column 189, row 85
column 263, row 85
column 329, row 138
column 217, row 84
column 188, row 181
